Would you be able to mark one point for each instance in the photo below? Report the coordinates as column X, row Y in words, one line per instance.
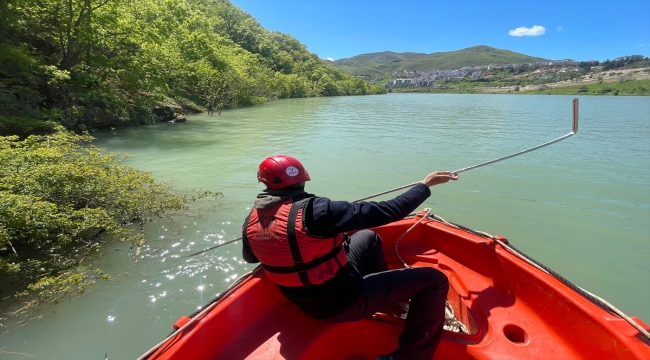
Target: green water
column 581, row 206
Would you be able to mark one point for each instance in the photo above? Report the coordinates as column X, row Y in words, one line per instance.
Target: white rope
column 438, row 217
column 428, row 210
column 621, row 314
column 451, row 322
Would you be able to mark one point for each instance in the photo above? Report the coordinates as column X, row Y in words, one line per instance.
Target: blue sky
column 552, row 29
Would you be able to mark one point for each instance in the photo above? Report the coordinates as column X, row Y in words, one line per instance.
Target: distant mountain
column 381, row 65
column 375, row 63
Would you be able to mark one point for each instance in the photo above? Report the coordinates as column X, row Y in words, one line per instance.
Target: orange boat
column 501, row 305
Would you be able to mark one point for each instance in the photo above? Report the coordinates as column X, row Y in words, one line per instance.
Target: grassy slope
column 374, row 64
column 631, row 87
column 379, row 58
column 382, row 64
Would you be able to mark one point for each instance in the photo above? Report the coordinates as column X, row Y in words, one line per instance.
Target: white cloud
column 559, row 28
column 524, row 31
column 330, row 59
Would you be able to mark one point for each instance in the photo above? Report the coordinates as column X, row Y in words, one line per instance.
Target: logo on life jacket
column 266, row 220
column 267, row 234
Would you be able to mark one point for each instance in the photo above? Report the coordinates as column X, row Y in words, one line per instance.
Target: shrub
column 59, row 196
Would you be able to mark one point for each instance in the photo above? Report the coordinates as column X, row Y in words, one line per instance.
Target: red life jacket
column 289, row 255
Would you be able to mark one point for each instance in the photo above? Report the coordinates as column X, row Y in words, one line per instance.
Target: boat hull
column 512, row 310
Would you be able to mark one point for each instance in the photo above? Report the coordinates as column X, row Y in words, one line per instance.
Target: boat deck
column 513, row 311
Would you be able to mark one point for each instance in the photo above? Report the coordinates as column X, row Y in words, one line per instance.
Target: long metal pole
column 573, row 132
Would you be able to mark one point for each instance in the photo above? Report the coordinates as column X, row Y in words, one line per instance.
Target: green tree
column 105, row 63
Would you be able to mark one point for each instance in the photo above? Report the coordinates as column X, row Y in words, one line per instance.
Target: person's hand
column 439, row 177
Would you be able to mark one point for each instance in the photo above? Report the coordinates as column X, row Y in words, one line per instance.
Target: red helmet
column 280, row 171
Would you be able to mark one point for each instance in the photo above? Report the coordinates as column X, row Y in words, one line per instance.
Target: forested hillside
column 101, row 63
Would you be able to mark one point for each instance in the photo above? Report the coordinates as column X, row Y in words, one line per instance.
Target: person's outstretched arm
column 332, row 217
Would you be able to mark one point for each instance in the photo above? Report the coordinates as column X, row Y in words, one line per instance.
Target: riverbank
column 61, row 201
column 623, row 81
column 632, row 87
column 592, row 87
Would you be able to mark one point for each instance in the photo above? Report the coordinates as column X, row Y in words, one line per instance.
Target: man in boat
column 300, row 240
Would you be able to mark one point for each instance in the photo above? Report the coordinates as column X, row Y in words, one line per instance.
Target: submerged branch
column 2, row 351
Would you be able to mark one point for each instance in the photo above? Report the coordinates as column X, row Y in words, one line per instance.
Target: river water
column 581, row 206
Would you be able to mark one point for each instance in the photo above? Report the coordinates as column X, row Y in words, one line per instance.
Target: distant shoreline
column 594, row 88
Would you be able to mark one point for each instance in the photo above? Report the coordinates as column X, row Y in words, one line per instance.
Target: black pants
column 383, row 288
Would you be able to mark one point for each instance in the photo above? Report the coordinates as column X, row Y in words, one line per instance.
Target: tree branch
column 12, row 247
column 100, row 5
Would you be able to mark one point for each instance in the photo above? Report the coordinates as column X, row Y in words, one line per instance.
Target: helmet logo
column 292, row 171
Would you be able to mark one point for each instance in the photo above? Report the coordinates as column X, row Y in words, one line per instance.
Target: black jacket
column 326, row 218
